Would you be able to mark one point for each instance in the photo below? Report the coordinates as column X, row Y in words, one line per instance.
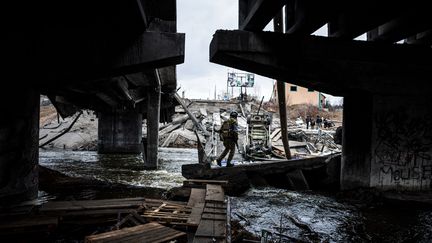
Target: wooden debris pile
column 306, row 142
column 165, row 212
column 130, row 219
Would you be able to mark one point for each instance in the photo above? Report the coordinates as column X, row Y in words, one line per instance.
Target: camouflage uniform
column 229, row 135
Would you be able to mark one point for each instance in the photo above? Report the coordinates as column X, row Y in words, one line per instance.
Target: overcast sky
column 199, row 19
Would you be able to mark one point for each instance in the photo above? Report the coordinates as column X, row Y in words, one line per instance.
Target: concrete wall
column 402, row 143
column 120, row 132
column 301, row 96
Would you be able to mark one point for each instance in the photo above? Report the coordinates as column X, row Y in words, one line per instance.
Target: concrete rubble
column 211, row 114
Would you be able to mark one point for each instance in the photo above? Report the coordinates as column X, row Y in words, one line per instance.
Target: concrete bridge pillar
column 19, row 150
column 356, row 141
column 120, row 132
column 387, row 142
column 153, row 115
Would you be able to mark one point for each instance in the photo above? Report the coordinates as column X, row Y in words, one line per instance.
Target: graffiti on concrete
column 403, row 149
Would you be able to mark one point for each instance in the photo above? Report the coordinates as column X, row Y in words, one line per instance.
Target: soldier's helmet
column 233, row 114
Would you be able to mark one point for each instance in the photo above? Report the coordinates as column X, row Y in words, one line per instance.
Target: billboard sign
column 241, row 79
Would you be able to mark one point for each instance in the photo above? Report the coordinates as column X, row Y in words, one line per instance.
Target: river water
column 125, row 169
column 289, row 216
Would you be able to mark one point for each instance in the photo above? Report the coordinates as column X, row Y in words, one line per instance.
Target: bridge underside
column 115, row 58
column 387, row 142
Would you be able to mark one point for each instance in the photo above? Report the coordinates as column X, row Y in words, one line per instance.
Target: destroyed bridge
column 119, row 60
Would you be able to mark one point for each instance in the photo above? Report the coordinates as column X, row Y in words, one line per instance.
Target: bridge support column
column 19, row 150
column 387, row 142
column 153, row 114
column 120, row 132
column 356, row 141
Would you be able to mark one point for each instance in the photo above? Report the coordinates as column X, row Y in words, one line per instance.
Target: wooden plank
column 159, row 208
column 215, row 210
column 80, row 205
column 195, row 216
column 214, row 193
column 169, row 207
column 165, row 216
column 159, row 202
column 277, row 137
column 28, row 222
column 211, row 229
column 200, row 181
column 220, row 205
column 99, row 212
column 211, row 216
column 200, row 239
column 196, row 196
column 151, row 232
column 274, row 133
column 90, row 204
column 16, row 210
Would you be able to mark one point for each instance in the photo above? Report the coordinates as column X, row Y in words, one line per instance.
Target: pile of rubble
column 181, row 131
column 211, row 114
column 304, row 142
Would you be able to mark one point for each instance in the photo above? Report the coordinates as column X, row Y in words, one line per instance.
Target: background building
column 300, row 95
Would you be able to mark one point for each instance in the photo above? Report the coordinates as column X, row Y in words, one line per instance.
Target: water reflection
column 125, row 169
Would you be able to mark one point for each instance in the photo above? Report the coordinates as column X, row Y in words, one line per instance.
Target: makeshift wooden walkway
column 213, row 221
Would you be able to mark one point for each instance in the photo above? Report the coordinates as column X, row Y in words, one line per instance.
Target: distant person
column 318, row 122
column 229, row 136
column 312, row 124
column 327, row 123
column 308, row 121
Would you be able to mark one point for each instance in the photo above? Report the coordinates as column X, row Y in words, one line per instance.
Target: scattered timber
column 137, row 219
